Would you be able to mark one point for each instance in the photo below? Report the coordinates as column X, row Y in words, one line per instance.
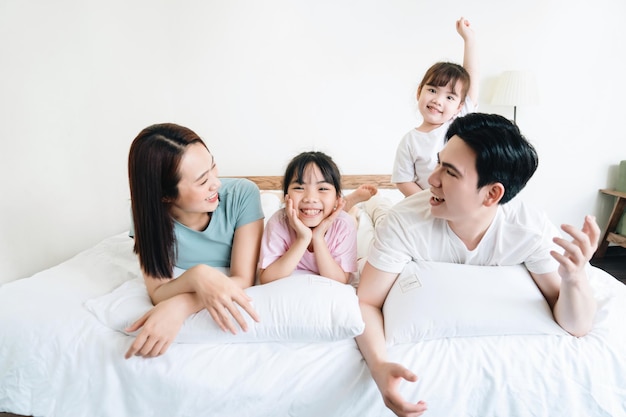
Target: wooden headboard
column 348, row 182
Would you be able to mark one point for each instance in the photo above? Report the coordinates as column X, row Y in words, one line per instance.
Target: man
column 463, row 218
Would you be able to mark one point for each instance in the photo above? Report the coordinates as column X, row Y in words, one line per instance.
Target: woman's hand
column 221, row 297
column 160, row 326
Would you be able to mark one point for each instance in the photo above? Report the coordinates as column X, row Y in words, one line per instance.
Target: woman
column 182, row 221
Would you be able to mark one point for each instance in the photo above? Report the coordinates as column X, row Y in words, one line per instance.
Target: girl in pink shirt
column 313, row 232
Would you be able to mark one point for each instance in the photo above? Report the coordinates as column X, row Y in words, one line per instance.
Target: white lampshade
column 515, row 88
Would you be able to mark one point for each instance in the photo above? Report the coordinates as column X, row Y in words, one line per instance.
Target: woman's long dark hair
column 153, row 177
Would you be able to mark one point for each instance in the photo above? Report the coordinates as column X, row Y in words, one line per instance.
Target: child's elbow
column 343, row 278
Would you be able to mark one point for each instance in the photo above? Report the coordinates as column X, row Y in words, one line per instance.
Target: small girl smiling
column 312, row 233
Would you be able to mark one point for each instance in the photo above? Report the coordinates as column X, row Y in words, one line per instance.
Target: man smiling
column 463, row 218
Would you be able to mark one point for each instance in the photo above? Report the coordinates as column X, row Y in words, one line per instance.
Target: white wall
column 263, row 80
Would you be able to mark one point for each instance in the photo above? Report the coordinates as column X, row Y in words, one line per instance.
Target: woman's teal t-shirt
column 240, row 204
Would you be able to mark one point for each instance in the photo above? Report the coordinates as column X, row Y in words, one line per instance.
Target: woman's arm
column 161, row 324
column 199, row 287
column 216, row 289
column 176, row 299
column 216, row 292
column 245, row 253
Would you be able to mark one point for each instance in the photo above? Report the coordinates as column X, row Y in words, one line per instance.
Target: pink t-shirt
column 340, row 238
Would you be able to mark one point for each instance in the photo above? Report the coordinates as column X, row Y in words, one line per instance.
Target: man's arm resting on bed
column 372, row 291
column 244, row 255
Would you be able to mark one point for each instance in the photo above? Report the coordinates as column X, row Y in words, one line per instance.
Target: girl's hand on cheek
column 302, row 231
column 320, row 231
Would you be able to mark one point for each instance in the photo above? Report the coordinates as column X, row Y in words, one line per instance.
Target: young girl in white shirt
column 446, row 91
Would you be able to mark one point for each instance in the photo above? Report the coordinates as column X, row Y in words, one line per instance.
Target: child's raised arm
column 470, row 56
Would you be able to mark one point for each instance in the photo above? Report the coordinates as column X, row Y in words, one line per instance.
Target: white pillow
column 300, row 308
column 433, row 300
column 271, row 201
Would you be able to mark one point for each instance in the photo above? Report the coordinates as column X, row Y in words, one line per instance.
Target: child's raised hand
column 579, row 251
column 302, row 231
column 464, row 28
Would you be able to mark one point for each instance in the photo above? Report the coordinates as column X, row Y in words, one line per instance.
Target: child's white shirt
column 416, row 155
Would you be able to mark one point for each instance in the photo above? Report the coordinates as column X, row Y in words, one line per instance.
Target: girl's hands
column 464, row 28
column 302, row 231
column 320, row 230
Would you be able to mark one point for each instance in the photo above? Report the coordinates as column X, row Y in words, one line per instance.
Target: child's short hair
column 295, row 169
column 441, row 73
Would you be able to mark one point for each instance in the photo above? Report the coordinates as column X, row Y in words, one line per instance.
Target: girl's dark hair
column 153, row 177
column 295, row 170
column 502, row 153
column 441, row 73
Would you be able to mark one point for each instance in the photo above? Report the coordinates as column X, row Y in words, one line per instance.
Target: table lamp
column 514, row 88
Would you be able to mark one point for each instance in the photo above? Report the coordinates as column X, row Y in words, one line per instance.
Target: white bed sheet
column 58, row 360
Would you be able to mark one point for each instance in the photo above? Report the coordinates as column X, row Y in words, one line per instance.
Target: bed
column 62, row 349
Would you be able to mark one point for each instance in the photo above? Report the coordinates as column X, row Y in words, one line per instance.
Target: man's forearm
column 372, row 341
column 575, row 308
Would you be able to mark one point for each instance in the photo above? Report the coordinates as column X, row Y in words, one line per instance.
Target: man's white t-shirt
column 517, row 235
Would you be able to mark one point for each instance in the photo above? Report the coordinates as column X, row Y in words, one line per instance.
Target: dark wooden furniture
column 611, row 235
